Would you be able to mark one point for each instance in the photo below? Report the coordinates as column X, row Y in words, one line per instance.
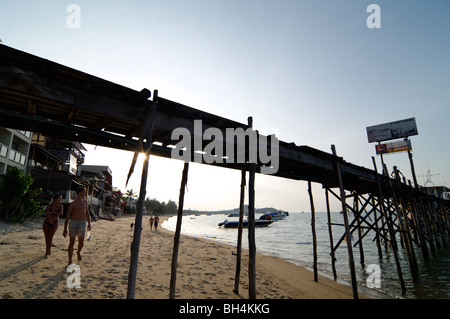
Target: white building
column 14, row 149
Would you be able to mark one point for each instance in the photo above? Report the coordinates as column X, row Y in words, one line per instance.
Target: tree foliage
column 16, row 197
column 160, row 208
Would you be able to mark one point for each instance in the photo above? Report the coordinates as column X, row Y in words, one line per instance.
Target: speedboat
column 277, row 215
column 235, row 224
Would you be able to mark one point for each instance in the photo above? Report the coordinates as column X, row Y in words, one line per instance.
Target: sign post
column 391, row 131
column 413, row 171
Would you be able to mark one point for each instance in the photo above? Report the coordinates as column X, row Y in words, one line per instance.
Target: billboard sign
column 392, row 130
column 394, row 147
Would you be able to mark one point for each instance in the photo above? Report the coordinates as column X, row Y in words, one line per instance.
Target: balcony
column 17, row 157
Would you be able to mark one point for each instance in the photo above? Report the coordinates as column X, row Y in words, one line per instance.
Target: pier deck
column 43, row 96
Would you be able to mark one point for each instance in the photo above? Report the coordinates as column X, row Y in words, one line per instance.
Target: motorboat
column 235, row 224
column 276, row 215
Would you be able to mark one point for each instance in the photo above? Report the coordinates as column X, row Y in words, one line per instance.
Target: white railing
column 17, row 157
column 3, row 150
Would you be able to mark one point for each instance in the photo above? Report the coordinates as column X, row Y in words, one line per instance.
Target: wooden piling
column 330, row 232
column 377, row 230
column 358, row 222
column 404, row 220
column 251, row 234
column 313, row 229
column 424, row 215
column 417, row 223
column 176, row 240
column 347, row 229
column 390, row 227
column 148, row 133
column 137, row 233
column 437, row 218
column 404, row 232
column 434, row 228
column 445, row 217
column 239, row 239
column 389, row 211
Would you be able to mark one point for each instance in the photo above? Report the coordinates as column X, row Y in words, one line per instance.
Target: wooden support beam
column 137, row 232
column 347, row 229
column 425, row 218
column 240, row 228
column 176, row 240
column 251, row 228
column 404, row 234
column 358, row 222
column 140, row 206
column 437, row 217
column 251, row 234
column 418, row 225
column 313, row 229
column 445, row 217
column 390, row 228
column 377, row 230
column 330, row 232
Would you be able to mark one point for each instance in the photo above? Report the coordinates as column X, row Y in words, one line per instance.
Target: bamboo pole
column 390, row 227
column 390, row 212
column 358, row 222
column 404, row 232
column 251, row 234
column 445, row 217
column 313, row 229
column 426, row 221
column 377, row 230
column 251, row 227
column 240, row 227
column 140, row 206
column 137, row 232
column 176, row 239
column 434, row 228
column 330, row 232
column 404, row 220
column 436, row 215
column 418, row 225
column 413, row 171
column 347, row 229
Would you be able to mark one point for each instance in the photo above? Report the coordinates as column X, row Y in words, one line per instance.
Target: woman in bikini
column 52, row 213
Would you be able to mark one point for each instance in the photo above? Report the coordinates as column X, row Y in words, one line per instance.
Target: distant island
column 229, row 211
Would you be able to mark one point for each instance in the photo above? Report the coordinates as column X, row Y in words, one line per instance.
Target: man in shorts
column 78, row 213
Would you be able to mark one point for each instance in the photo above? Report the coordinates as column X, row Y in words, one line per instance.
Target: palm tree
column 129, row 195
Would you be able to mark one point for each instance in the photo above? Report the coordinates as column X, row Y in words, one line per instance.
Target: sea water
column 291, row 239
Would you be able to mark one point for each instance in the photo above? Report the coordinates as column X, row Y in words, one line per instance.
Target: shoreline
column 206, row 268
column 362, row 290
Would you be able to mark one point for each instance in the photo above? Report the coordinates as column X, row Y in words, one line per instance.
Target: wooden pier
column 43, row 96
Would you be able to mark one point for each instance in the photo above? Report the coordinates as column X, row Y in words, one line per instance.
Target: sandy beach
column 205, row 268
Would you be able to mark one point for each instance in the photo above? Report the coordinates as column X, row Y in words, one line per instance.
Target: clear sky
column 310, row 69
